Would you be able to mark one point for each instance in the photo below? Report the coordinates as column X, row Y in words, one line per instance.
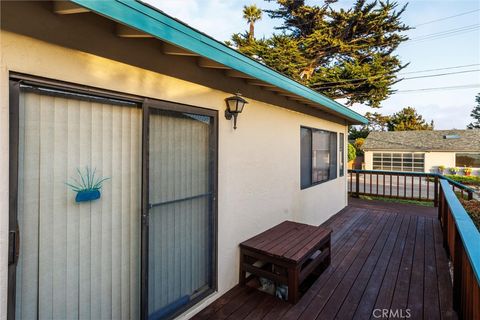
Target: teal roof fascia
column 154, row 22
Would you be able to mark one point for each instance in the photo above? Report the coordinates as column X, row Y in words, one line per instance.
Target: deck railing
column 462, row 242
column 402, row 185
column 461, row 237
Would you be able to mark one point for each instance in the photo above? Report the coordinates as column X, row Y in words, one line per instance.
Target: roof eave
column 142, row 17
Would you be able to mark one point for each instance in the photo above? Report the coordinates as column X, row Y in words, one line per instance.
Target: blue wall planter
column 87, row 195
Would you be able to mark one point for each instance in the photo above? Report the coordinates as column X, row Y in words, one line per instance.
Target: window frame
column 312, row 130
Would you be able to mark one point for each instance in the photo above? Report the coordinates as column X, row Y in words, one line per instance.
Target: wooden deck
column 384, row 256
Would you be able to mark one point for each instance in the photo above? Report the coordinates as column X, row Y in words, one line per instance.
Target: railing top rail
column 468, row 231
column 400, row 173
column 416, row 174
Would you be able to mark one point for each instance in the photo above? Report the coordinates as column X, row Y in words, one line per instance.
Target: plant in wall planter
column 467, row 171
column 441, row 169
column 87, row 185
column 453, row 170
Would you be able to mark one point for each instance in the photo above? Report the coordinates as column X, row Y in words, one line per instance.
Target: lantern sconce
column 235, row 106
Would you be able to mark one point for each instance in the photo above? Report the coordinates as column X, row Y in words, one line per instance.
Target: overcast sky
column 448, row 108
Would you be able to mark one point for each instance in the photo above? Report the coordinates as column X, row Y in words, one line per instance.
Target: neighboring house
column 422, row 151
column 122, row 88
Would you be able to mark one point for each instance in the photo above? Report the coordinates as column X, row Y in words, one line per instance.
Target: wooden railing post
column 469, row 195
column 435, row 191
column 357, row 184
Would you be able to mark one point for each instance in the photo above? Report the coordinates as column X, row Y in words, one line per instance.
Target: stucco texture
column 259, row 163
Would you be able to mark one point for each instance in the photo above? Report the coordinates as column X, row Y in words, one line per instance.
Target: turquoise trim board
column 467, row 230
column 149, row 20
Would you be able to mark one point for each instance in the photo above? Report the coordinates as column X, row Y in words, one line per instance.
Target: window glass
column 342, row 154
column 305, row 157
column 467, row 159
column 318, row 156
column 389, row 161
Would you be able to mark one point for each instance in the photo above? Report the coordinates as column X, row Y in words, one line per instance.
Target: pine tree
column 345, row 53
column 475, row 114
column 408, row 119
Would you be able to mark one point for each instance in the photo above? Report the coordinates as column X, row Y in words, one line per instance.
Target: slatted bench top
column 289, row 241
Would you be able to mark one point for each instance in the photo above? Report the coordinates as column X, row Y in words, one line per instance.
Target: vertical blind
column 179, row 215
column 78, row 260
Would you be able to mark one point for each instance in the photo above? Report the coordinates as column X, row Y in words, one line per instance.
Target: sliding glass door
column 181, row 190
column 113, row 209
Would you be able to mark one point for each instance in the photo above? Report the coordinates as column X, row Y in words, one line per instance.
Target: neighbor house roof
column 147, row 19
column 437, row 140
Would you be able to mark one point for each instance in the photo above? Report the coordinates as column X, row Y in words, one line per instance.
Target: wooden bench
column 286, row 254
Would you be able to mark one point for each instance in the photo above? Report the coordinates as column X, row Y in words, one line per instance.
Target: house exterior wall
column 258, row 165
column 435, row 159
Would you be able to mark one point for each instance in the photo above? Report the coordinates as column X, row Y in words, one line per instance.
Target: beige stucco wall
column 435, row 159
column 259, row 163
column 368, row 159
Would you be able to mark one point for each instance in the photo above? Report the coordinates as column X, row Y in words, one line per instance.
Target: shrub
column 466, row 180
column 358, row 144
column 352, row 153
column 473, row 209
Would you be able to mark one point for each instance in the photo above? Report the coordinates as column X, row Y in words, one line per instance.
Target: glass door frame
column 15, row 79
column 148, row 105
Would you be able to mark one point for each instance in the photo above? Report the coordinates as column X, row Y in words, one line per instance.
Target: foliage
column 473, row 209
column 343, row 53
column 355, row 132
column 86, row 181
column 467, row 170
column 453, row 170
column 393, row 200
column 466, row 180
column 352, row 153
column 408, row 119
column 252, row 14
column 475, row 114
column 358, row 144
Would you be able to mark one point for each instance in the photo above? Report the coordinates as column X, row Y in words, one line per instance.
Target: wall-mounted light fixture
column 235, row 106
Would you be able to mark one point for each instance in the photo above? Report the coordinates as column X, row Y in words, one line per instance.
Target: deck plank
column 382, row 297
column 383, row 257
column 368, row 283
column 415, row 293
column 430, row 294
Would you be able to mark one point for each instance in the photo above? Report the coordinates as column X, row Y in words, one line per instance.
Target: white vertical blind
column 78, row 260
column 179, row 219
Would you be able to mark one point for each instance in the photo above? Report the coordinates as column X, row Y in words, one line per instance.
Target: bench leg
column 293, row 284
column 328, row 259
column 242, row 274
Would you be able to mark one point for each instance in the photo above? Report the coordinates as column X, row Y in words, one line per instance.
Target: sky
column 448, row 108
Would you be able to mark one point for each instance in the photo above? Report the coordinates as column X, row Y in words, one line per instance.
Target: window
column 318, row 156
column 467, row 159
column 409, row 162
column 342, row 154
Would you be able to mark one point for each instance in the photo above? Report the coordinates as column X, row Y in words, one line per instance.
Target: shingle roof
column 459, row 140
